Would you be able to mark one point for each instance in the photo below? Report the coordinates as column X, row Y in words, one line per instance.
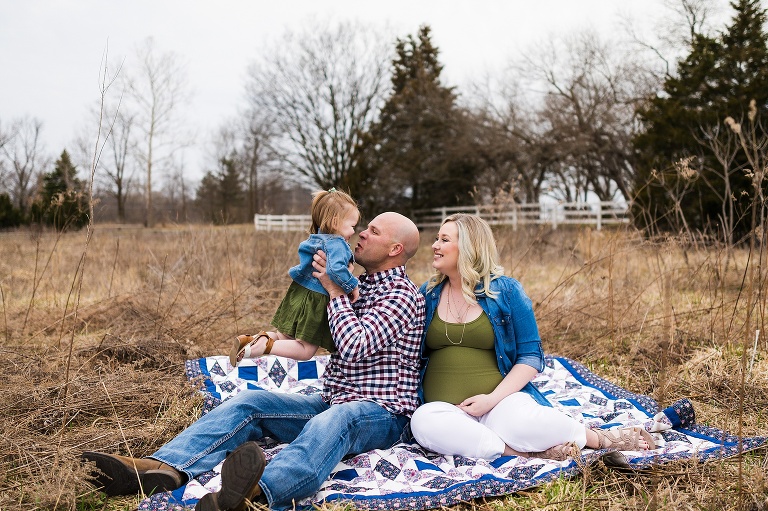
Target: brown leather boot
column 240, row 475
column 121, row 475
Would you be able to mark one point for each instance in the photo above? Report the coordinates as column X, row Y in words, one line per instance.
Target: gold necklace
column 457, row 316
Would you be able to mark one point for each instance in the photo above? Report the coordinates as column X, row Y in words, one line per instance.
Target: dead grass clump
column 111, row 403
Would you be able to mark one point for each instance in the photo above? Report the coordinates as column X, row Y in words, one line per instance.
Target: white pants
column 517, row 421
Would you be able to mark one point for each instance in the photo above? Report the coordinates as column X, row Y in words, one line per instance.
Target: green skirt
column 303, row 314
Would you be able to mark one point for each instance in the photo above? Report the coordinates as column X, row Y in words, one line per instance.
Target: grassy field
column 94, row 336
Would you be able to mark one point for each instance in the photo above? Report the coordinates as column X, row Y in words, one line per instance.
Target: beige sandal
column 241, row 347
column 558, row 453
column 624, row 439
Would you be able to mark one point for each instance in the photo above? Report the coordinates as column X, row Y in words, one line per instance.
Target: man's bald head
column 404, row 231
column 390, row 240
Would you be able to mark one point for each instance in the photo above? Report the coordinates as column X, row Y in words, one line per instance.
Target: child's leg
column 282, row 345
column 287, row 346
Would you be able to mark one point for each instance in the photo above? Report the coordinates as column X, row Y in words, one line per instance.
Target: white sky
column 51, row 50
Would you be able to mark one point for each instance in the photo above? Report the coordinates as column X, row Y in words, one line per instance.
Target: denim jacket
column 516, row 335
column 338, row 255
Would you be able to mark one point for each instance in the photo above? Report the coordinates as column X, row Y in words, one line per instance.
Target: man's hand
column 318, row 263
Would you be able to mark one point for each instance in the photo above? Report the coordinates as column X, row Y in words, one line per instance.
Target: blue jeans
column 319, row 436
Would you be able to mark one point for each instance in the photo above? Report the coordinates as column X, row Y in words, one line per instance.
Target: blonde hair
column 328, row 206
column 478, row 261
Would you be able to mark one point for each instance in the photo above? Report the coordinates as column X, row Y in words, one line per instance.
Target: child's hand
column 354, row 295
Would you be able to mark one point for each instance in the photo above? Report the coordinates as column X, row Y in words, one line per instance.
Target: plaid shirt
column 378, row 339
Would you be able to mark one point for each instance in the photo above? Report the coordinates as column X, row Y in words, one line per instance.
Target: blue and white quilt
column 407, row 476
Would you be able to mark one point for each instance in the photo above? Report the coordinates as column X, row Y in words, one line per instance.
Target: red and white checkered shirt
column 378, row 339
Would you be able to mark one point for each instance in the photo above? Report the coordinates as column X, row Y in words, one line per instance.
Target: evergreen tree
column 231, row 190
column 220, row 194
column 61, row 201
column 417, row 155
column 718, row 78
column 10, row 216
column 207, row 197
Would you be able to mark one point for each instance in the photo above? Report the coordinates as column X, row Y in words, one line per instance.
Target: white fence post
column 554, row 217
column 599, row 215
column 514, row 217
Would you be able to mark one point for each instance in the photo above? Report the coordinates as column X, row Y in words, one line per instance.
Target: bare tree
column 511, row 145
column 241, row 164
column 26, row 160
column 686, row 19
column 156, row 89
column 6, row 135
column 177, row 191
column 587, row 112
column 671, row 34
column 257, row 158
column 725, row 146
column 118, row 167
column 321, row 88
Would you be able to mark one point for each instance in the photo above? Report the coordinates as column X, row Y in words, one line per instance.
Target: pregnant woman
column 482, row 349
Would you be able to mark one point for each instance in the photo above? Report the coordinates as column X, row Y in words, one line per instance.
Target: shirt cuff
column 338, row 304
column 530, row 360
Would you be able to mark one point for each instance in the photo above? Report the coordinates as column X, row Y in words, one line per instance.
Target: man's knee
column 342, row 415
column 355, row 421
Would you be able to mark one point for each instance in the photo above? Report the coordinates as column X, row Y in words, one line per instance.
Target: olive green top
column 460, row 368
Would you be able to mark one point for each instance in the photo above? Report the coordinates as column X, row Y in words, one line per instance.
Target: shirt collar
column 375, row 278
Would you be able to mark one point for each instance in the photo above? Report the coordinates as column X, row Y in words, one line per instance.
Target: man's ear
column 396, row 250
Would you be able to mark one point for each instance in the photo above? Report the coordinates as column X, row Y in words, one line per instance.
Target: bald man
column 369, row 393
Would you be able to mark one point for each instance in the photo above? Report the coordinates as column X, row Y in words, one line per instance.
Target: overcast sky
column 51, row 50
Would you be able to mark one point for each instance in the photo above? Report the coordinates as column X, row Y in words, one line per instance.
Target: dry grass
column 655, row 317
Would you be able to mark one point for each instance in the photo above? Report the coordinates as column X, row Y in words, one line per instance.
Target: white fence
column 515, row 215
column 553, row 214
column 282, row 222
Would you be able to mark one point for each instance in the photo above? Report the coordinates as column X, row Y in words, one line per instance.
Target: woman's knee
column 428, row 417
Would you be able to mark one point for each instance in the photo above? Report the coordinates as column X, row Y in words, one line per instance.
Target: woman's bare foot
column 620, row 439
column 558, row 452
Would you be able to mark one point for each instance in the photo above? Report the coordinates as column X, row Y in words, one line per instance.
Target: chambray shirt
column 338, row 256
column 516, row 335
column 378, row 339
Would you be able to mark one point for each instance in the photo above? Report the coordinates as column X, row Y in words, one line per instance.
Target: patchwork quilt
column 406, row 476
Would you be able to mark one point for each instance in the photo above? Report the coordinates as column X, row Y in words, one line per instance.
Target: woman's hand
column 477, row 405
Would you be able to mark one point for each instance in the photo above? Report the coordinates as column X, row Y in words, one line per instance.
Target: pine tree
column 231, row 190
column 207, row 197
column 61, row 202
column 220, row 194
column 417, row 154
column 718, row 78
column 10, row 215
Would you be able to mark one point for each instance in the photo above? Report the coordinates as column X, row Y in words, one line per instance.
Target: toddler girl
column 301, row 320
